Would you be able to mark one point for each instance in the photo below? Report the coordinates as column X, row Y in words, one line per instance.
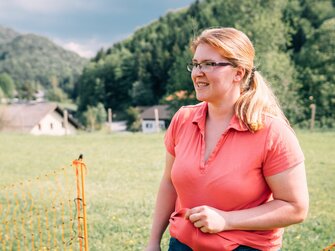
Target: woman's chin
column 201, row 97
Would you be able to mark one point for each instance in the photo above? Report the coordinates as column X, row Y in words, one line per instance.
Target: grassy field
column 124, row 171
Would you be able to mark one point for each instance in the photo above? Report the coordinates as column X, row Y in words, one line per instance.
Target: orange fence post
column 83, row 166
column 81, row 213
column 329, row 248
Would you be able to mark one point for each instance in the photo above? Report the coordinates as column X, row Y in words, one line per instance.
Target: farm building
column 148, row 117
column 37, row 118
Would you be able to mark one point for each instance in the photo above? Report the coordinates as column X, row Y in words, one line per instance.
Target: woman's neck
column 220, row 112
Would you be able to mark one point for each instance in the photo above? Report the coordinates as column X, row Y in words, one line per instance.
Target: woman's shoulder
column 270, row 120
column 191, row 111
column 193, row 108
column 276, row 125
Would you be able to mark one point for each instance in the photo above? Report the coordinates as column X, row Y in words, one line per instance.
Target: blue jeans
column 176, row 245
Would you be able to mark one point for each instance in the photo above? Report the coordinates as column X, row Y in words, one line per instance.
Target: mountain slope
column 37, row 61
column 6, row 35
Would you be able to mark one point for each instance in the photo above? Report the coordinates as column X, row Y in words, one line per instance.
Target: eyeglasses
column 206, row 66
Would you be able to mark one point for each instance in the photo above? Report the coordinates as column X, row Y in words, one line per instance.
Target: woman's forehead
column 205, row 52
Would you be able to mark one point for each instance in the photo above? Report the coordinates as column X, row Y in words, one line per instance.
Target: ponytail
column 256, row 99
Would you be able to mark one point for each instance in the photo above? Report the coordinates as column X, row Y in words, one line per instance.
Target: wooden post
column 157, row 120
column 313, row 108
column 66, row 122
column 110, row 118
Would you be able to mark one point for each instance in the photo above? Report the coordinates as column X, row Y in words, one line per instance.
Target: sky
column 84, row 26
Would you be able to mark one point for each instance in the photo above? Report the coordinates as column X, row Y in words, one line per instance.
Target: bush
column 133, row 119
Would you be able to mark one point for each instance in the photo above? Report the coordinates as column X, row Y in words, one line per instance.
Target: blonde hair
column 256, row 97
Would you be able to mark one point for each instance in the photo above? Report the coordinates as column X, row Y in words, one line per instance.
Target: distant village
column 41, row 117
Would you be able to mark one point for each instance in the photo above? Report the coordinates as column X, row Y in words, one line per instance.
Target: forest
column 295, row 49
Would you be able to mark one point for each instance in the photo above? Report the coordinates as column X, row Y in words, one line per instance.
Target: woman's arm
column 290, row 206
column 165, row 205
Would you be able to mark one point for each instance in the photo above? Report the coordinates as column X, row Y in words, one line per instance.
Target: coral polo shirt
column 231, row 179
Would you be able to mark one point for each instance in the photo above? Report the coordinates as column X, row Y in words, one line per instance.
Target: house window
column 51, row 126
column 39, row 127
column 148, row 125
column 63, row 125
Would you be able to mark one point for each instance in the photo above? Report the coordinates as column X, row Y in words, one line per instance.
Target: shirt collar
column 201, row 114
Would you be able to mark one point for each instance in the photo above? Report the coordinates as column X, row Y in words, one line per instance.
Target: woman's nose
column 197, row 71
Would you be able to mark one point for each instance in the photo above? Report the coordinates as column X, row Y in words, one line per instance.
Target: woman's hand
column 153, row 247
column 207, row 219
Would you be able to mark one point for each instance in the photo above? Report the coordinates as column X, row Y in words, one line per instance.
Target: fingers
column 198, row 224
column 196, row 216
column 206, row 218
column 195, row 210
column 204, row 229
column 202, row 226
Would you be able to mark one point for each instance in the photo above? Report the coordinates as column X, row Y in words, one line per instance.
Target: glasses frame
column 202, row 66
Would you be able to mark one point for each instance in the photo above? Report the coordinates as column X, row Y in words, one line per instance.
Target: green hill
column 34, row 62
column 294, row 42
column 6, row 35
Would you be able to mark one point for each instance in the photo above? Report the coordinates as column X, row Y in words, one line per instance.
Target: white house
column 37, row 119
column 155, row 118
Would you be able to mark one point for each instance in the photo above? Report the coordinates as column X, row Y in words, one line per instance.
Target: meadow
column 124, row 170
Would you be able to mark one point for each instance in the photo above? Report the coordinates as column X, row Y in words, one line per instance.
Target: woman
column 235, row 172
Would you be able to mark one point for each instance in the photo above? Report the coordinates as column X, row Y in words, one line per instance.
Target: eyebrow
column 206, row 60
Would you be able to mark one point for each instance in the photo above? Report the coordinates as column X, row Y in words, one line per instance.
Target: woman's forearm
column 290, row 206
column 274, row 214
column 165, row 205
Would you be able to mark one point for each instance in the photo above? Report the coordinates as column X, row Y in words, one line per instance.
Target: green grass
column 124, row 171
column 318, row 231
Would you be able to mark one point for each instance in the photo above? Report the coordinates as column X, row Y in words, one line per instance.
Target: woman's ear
column 239, row 74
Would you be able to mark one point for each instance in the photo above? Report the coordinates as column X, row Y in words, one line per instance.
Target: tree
column 141, row 93
column 317, row 72
column 28, row 90
column 133, row 119
column 7, row 85
column 101, row 114
column 117, row 77
column 179, row 77
column 55, row 93
column 91, row 89
column 95, row 117
column 2, row 95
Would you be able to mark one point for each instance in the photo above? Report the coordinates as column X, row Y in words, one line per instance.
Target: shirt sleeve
column 170, row 135
column 282, row 149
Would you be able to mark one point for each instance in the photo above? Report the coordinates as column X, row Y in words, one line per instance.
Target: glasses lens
column 205, row 67
column 190, row 67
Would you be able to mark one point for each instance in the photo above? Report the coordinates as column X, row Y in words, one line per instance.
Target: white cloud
column 79, row 49
column 85, row 48
column 88, row 48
